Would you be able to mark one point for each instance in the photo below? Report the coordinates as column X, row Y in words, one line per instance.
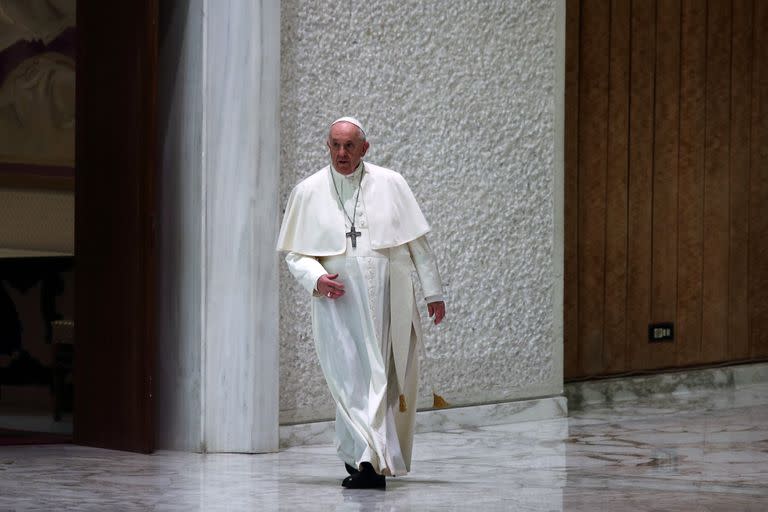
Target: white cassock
column 367, row 339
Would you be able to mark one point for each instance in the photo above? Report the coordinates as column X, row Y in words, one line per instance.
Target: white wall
column 464, row 98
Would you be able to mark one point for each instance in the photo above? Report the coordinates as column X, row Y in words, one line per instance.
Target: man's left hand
column 436, row 309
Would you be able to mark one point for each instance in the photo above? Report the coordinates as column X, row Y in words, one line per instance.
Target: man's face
column 347, row 147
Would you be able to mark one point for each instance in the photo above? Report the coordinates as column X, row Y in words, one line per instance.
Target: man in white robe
column 353, row 232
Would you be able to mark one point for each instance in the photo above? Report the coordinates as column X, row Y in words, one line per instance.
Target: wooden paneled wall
column 666, row 183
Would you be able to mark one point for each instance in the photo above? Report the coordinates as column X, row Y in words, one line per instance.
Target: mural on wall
column 37, row 150
column 37, row 91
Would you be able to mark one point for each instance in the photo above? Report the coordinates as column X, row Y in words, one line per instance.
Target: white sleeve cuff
column 306, row 269
column 426, row 267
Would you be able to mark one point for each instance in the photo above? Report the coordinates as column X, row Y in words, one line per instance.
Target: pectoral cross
column 353, row 235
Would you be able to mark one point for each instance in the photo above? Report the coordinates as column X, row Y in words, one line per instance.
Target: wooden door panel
column 615, row 331
column 693, row 62
column 642, row 67
column 716, row 183
column 666, row 184
column 114, row 209
column 665, row 171
column 593, row 131
column 571, row 270
column 738, row 261
column 758, row 199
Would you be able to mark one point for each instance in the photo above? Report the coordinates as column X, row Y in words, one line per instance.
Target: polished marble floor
column 701, row 452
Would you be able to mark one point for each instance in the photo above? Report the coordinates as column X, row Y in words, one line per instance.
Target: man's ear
column 365, row 148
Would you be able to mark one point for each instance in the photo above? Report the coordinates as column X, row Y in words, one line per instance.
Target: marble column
column 217, row 377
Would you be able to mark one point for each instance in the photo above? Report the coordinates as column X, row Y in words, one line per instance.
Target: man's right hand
column 329, row 287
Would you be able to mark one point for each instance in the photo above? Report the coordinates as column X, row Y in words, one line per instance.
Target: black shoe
column 350, row 469
column 367, row 478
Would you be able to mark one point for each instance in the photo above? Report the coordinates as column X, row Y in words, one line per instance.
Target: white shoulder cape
column 313, row 223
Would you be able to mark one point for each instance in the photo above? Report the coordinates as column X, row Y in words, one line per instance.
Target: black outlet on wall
column 664, row 331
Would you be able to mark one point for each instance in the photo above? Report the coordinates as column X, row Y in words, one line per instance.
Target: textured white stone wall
column 462, row 98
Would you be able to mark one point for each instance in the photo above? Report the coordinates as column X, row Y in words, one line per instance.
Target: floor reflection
column 685, row 453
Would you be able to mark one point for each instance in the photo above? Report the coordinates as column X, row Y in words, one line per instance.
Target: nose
column 342, row 151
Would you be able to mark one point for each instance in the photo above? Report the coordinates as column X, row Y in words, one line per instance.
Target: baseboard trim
column 442, row 420
column 606, row 391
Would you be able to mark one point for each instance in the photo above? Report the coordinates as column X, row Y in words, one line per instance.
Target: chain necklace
column 351, row 234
